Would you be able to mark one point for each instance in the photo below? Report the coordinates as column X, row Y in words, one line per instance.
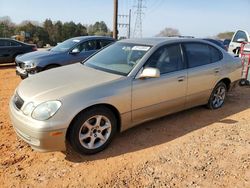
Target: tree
column 81, row 30
column 58, row 30
column 49, row 28
column 50, row 32
column 225, row 35
column 7, row 27
column 168, row 32
column 99, row 28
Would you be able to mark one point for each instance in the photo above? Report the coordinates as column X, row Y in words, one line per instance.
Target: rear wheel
column 218, row 96
column 92, row 130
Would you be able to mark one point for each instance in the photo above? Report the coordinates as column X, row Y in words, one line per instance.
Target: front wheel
column 92, row 130
column 218, row 96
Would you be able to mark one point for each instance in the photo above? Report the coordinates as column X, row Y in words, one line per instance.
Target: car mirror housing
column 241, row 40
column 75, row 51
column 150, row 73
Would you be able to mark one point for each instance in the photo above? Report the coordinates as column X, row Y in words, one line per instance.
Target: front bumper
column 33, row 132
column 21, row 72
column 24, row 73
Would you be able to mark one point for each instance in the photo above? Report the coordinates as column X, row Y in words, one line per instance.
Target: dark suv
column 10, row 48
column 70, row 51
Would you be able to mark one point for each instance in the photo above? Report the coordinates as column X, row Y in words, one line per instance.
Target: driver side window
column 167, row 59
column 88, row 46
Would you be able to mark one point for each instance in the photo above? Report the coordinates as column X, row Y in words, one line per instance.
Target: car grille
column 18, row 101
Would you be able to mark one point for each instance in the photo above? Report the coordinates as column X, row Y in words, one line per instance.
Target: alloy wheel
column 95, row 132
column 219, row 97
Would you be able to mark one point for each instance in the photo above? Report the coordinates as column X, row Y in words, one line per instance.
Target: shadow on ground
column 7, row 66
column 168, row 128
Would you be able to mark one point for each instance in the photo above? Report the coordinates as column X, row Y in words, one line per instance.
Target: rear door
column 204, row 67
column 155, row 97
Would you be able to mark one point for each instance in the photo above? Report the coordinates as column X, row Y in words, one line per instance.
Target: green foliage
column 225, row 35
column 99, row 28
column 50, row 32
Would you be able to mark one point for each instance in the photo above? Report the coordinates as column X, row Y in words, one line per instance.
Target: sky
column 199, row 18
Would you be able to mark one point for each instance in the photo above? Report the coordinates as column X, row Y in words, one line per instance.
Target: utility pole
column 115, row 30
column 127, row 23
column 138, row 21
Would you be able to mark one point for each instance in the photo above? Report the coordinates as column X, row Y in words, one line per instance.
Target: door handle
column 217, row 70
column 181, row 78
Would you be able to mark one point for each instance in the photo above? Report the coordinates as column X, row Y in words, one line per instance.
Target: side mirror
column 150, row 73
column 241, row 40
column 75, row 51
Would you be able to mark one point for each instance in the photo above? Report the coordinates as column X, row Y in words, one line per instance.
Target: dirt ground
column 194, row 148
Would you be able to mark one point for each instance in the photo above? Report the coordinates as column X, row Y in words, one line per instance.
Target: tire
column 244, row 82
column 92, row 130
column 218, row 96
column 51, row 67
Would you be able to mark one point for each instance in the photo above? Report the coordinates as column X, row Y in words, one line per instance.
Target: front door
column 86, row 49
column 155, row 97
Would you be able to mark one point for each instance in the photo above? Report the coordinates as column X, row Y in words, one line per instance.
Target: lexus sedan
column 10, row 48
column 70, row 51
column 125, row 84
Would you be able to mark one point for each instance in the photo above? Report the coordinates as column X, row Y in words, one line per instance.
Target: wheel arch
column 109, row 106
column 226, row 81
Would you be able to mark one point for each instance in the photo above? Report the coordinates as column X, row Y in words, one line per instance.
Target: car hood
column 36, row 55
column 55, row 83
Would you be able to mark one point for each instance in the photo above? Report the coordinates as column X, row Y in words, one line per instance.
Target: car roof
column 159, row 40
column 91, row 37
column 6, row 39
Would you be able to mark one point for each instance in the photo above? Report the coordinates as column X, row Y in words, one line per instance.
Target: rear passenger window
column 197, row 54
column 167, row 59
column 215, row 54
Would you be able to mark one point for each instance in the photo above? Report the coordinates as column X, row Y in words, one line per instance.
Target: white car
column 238, row 37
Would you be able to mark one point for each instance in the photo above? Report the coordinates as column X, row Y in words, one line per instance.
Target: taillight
column 34, row 48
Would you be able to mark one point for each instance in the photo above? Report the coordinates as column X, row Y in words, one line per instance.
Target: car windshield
column 66, row 45
column 118, row 58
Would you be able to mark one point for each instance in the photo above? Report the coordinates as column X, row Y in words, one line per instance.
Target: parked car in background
column 217, row 42
column 238, row 37
column 226, row 43
column 127, row 83
column 70, row 51
column 10, row 48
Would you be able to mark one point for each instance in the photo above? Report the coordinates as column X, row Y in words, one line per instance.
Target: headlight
column 28, row 108
column 30, row 65
column 46, row 110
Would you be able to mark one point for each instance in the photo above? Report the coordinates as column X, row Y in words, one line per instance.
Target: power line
column 138, row 22
column 126, row 22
